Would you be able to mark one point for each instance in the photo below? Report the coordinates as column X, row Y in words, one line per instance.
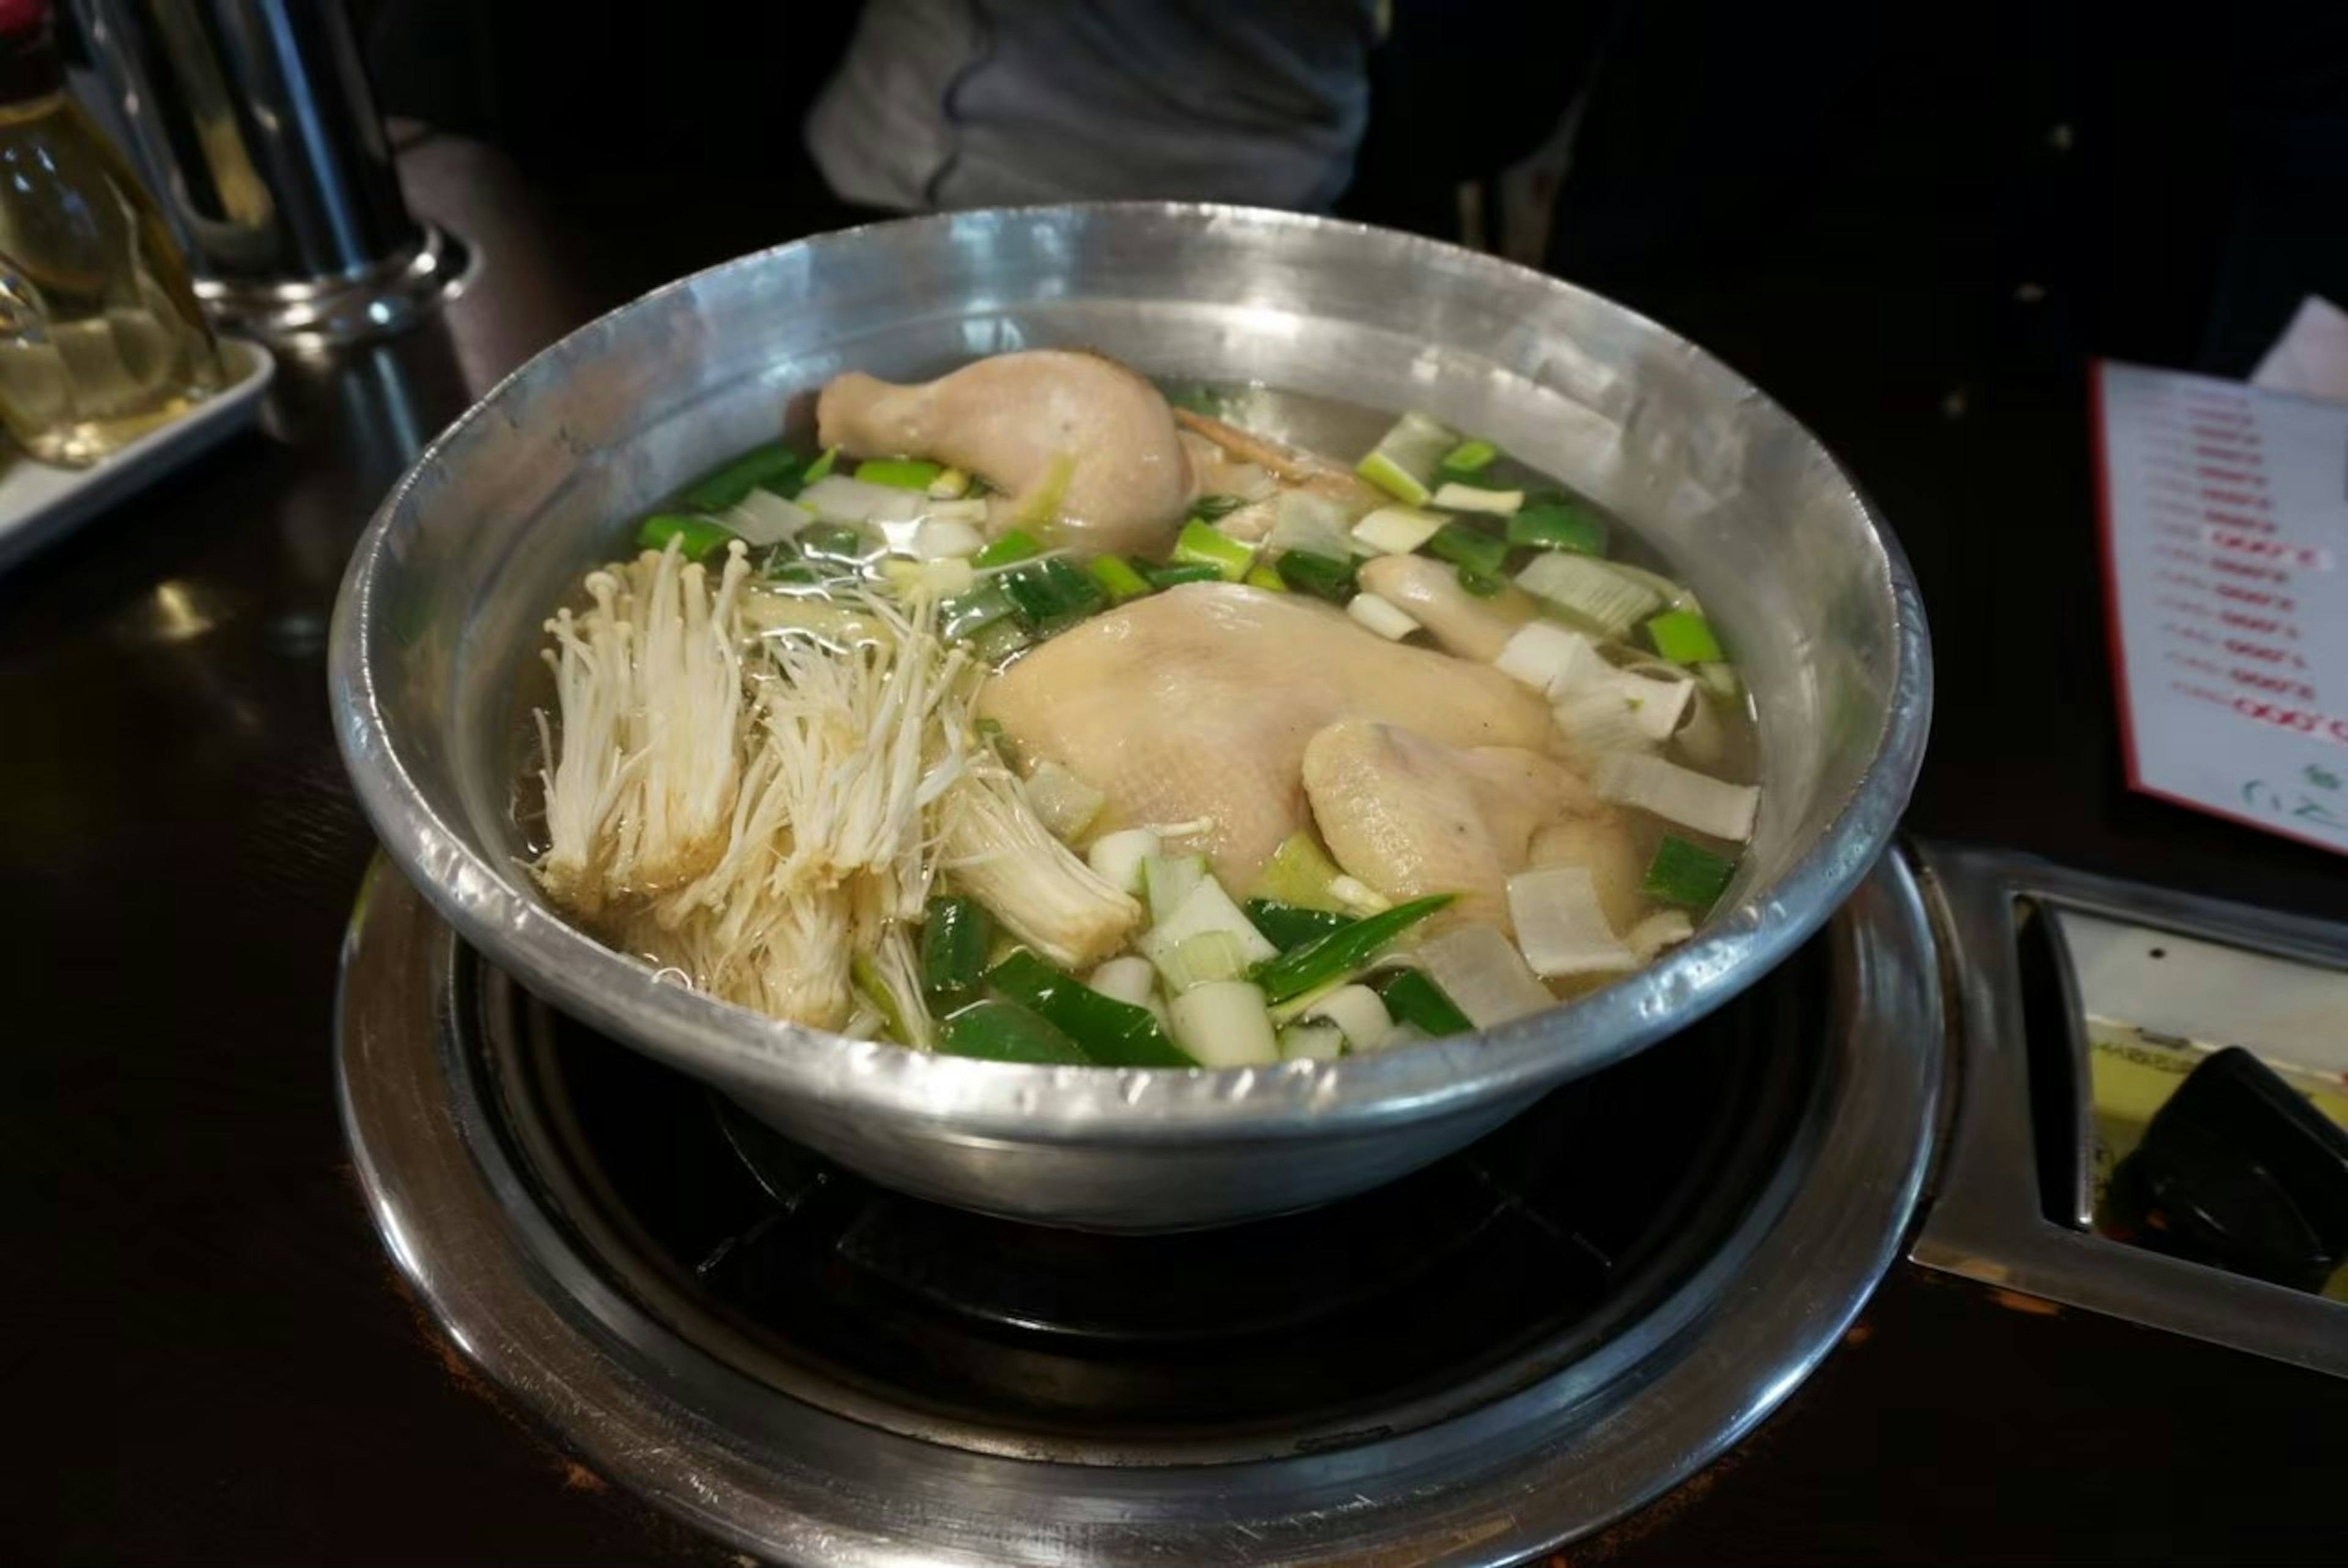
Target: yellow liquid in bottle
column 102, row 340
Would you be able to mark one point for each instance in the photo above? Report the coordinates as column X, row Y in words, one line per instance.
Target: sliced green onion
column 997, row 1030
column 1483, row 974
column 1199, row 544
column 772, row 466
column 1720, row 680
column 1414, row 999
column 1018, row 545
column 1561, row 929
column 998, row 641
column 899, row 473
column 698, row 538
column 1266, row 578
column 1683, row 637
column 1396, row 531
column 951, row 484
column 1293, row 926
column 1712, row 807
column 1111, row 1032
column 821, row 466
column 1687, row 873
column 1118, row 858
column 1323, row 576
column 1204, row 958
column 1052, row 594
column 1215, row 508
column 904, row 1025
column 834, row 542
column 1162, row 578
column 1316, row 1042
column 1552, row 525
column 965, row 614
column 956, row 935
column 1357, row 1010
column 1117, row 577
column 1342, row 951
column 1223, row 1024
column 1471, row 457
column 1483, row 585
column 1461, row 497
column 1381, row 615
column 1064, row 803
column 1300, row 875
column 1407, row 458
column 1167, row 880
column 1469, row 548
column 1206, row 910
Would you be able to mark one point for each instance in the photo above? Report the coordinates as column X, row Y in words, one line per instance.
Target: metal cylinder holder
column 255, row 122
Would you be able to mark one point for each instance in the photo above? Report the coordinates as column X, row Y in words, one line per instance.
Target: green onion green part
column 1288, row 926
column 1482, row 584
column 1117, row 576
column 956, row 935
column 1018, row 545
column 1341, row 952
column 1686, row 873
column 1683, row 637
column 1051, row 594
column 1215, row 508
column 1266, row 578
column 1199, row 544
column 1413, row 998
column 1162, row 578
column 1551, row 524
column 1471, row 457
column 1108, row 1032
column 772, row 466
column 899, row 473
column 822, row 467
column 1323, row 576
column 698, row 536
column 998, row 1031
column 1469, row 548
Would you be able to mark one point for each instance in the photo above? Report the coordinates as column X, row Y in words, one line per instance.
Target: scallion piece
column 1264, row 578
column 1331, row 958
column 698, row 538
column 834, row 542
column 999, row 639
column 1483, row 585
column 998, row 1031
column 956, row 934
column 1684, row 637
column 1455, row 497
column 899, row 473
column 965, row 614
column 1199, row 544
column 1018, row 545
column 1288, row 926
column 1323, row 576
column 1162, row 578
column 1687, row 874
column 1412, row 998
column 1469, row 547
column 1215, row 508
column 1108, row 1032
column 822, row 467
column 1051, row 594
column 1470, row 457
column 1557, row 525
column 772, row 466
column 1407, row 458
column 1117, row 576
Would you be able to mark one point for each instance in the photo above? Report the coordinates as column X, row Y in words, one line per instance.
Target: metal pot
column 439, row 620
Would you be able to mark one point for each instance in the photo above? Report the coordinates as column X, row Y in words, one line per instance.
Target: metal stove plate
column 792, row 1481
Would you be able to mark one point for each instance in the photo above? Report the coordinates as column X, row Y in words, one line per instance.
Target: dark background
column 206, row 1354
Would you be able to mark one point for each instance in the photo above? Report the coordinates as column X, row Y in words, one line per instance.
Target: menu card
column 2225, row 522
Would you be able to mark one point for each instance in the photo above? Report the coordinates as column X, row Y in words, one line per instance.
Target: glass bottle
column 101, row 339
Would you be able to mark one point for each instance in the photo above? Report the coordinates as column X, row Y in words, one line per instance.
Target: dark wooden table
column 206, row 1355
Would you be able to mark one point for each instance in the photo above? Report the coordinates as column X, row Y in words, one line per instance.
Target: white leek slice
column 1599, row 719
column 1066, row 804
column 1397, row 530
column 1197, row 960
column 1704, row 740
column 1674, row 595
column 1720, row 680
column 1358, row 894
column 1129, row 978
column 763, row 518
column 1311, row 522
column 1168, row 879
column 940, row 580
column 1222, row 1023
column 1561, row 927
column 1207, row 909
column 1586, row 588
column 1663, row 929
column 1117, row 858
column 841, row 500
column 1677, row 794
column 1311, row 1043
column 949, row 483
column 1357, row 1010
column 1383, row 616
column 1545, row 656
column 1476, row 499
column 951, row 528
column 1407, row 455
column 1484, row 975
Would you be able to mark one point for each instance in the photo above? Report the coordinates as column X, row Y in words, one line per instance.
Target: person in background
column 949, row 104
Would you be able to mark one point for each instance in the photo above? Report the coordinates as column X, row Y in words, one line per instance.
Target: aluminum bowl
column 439, row 617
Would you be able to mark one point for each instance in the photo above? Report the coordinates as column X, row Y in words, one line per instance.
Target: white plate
column 39, row 503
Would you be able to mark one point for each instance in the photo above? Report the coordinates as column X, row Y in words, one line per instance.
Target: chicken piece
column 1411, row 817
column 1430, row 593
column 1198, row 702
column 1071, row 436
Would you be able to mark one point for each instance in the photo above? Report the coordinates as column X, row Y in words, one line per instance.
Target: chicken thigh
column 1198, row 702
column 1071, row 436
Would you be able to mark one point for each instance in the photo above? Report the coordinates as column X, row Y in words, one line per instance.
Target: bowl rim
column 752, row 1052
